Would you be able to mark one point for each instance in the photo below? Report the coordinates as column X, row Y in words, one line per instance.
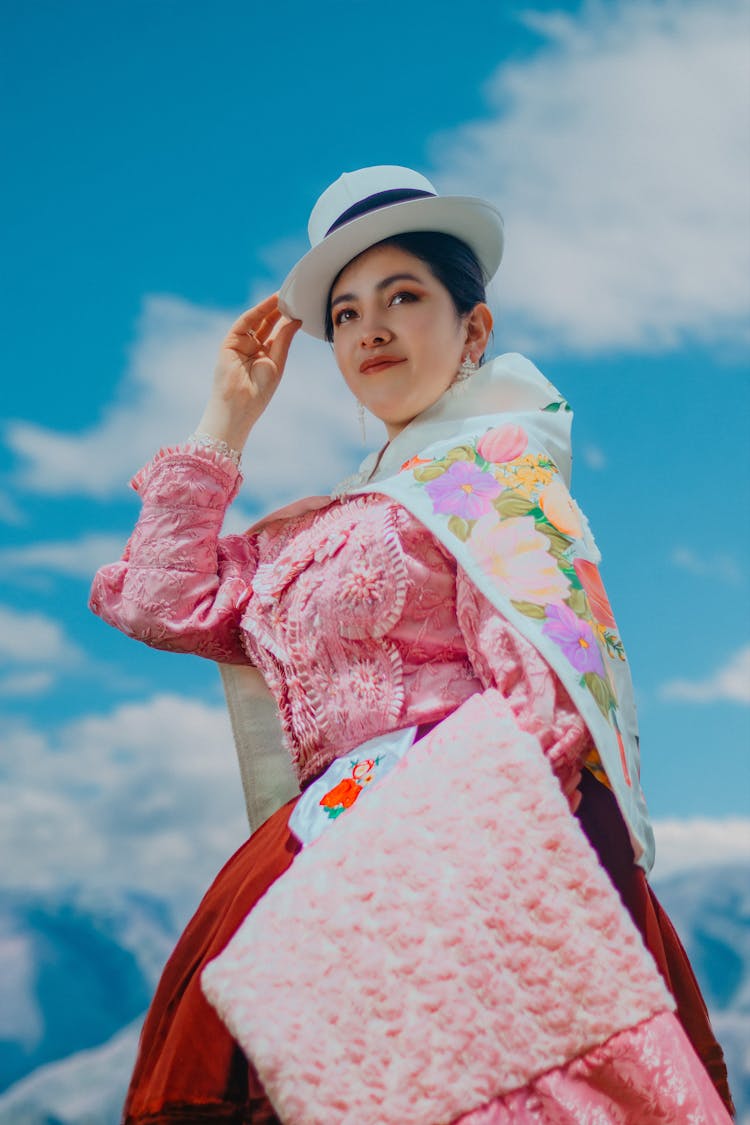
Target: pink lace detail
column 177, row 586
column 352, row 611
column 324, row 599
column 647, row 1075
column 504, row 659
column 179, row 461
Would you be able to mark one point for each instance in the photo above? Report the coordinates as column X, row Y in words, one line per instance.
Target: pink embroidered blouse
column 357, row 617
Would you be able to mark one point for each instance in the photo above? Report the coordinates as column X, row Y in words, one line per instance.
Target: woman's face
column 397, row 337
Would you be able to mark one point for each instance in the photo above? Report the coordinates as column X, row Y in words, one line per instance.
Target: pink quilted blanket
column 451, row 938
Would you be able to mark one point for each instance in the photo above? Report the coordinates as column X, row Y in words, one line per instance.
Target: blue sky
column 162, row 159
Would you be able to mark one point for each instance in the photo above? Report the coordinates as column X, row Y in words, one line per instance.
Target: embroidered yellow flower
column 526, row 475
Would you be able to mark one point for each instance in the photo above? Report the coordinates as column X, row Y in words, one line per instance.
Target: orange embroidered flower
column 413, row 462
column 590, row 579
column 623, row 758
column 560, row 510
column 345, row 793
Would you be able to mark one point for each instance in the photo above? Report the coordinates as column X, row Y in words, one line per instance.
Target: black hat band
column 375, row 202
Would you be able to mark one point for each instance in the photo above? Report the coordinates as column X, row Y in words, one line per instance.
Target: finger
column 255, row 340
column 279, row 346
column 252, row 318
column 265, row 329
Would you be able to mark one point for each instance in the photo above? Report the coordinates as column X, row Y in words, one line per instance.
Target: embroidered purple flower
column 463, row 490
column 575, row 637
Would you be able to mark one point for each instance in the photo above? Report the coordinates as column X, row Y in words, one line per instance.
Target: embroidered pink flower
column 575, row 637
column 363, row 583
column 517, row 557
column 504, row 443
column 463, row 490
column 364, row 770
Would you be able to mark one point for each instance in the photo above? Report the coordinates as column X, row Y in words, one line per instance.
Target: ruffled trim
column 228, row 475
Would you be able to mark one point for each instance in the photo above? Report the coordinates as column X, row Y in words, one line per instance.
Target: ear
column 478, row 326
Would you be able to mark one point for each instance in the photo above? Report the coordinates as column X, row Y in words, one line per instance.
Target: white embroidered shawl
column 487, row 470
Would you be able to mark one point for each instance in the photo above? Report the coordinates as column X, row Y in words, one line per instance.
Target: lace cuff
column 208, row 441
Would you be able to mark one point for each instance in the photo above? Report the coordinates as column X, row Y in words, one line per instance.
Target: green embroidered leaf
column 509, row 504
column 430, row 472
column 530, row 609
column 559, row 543
column 460, row 527
column 553, row 407
column 572, row 577
column 460, row 453
column 614, row 645
column 578, row 602
column 601, row 692
column 481, row 463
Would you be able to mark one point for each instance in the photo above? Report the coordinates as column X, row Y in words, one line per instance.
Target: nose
column 374, row 335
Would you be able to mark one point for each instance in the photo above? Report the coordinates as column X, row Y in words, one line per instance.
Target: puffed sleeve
column 179, row 586
column 503, row 659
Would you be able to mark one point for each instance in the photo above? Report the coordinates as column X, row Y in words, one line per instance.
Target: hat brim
column 304, row 293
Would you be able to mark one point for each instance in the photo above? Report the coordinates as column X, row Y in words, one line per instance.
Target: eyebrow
column 380, row 285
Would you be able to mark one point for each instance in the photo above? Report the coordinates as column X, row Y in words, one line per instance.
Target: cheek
column 344, row 367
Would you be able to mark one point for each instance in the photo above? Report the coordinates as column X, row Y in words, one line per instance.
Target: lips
column 379, row 363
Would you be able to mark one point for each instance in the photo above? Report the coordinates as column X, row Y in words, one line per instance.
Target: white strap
column 268, row 777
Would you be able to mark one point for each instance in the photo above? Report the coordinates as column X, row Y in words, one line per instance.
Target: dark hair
column 449, row 259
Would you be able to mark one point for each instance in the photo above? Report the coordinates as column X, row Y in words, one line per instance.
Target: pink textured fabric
column 517, row 958
column 353, row 612
column 647, row 1075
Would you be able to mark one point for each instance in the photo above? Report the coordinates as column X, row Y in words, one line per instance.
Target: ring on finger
column 253, row 336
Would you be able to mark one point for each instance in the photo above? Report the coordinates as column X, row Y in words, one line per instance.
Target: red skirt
column 189, row 1069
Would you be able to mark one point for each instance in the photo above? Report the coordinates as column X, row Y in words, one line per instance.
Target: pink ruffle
column 222, row 468
column 646, row 1075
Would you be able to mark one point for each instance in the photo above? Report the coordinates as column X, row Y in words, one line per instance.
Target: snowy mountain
column 75, row 966
column 86, row 1089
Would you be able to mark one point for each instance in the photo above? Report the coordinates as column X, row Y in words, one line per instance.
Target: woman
column 444, row 656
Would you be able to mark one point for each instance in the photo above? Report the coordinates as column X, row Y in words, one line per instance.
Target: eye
column 343, row 315
column 402, row 296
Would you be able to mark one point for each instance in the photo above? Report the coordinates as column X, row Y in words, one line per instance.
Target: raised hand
column 248, row 370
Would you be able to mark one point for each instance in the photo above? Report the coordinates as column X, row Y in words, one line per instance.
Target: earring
column 362, row 426
column 467, row 368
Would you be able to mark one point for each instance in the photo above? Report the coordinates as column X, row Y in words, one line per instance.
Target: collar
column 509, row 385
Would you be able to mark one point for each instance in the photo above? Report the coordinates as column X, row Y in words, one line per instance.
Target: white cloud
column 618, row 156
column 594, row 457
column 622, row 178
column 724, row 567
column 10, row 513
column 731, row 683
column 34, row 638
column 25, row 684
column 309, row 433
column 700, row 842
column 78, row 558
column 146, row 795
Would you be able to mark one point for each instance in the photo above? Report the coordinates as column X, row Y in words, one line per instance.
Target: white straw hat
column 364, row 207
